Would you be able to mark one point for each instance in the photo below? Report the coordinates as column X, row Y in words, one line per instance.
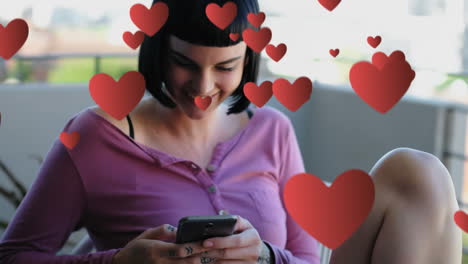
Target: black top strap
column 131, row 126
column 249, row 113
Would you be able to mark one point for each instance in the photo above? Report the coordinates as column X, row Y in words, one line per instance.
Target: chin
column 197, row 113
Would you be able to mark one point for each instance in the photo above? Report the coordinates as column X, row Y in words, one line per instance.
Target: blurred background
column 46, row 82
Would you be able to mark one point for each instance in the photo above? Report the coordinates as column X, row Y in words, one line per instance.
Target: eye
column 225, row 69
column 182, row 64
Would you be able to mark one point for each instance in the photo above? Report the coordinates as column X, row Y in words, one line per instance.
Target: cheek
column 231, row 81
column 177, row 76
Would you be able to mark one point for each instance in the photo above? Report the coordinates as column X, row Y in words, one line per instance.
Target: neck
column 184, row 129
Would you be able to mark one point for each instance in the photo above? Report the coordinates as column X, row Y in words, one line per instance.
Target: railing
column 447, row 153
column 56, row 56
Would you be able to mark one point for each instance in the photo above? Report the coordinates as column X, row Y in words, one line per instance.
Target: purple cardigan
column 116, row 188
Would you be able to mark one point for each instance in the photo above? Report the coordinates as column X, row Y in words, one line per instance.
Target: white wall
column 338, row 131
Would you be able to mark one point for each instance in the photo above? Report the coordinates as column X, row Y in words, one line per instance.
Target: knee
column 415, row 175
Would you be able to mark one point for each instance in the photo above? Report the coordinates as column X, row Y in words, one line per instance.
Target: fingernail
column 208, row 243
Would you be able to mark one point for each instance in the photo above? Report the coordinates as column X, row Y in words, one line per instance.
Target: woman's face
column 194, row 70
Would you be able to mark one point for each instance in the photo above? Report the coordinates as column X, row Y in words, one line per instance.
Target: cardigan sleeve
column 53, row 208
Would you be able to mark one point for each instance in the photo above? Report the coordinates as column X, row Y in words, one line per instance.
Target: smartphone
column 197, row 228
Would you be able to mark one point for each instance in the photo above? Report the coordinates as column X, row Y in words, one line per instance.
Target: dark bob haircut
column 188, row 21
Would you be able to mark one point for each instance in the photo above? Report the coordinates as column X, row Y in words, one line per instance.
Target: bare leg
column 411, row 221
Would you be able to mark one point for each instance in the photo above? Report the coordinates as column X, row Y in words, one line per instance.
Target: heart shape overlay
column 150, row 20
column 461, row 219
column 117, row 98
column 374, row 41
column 258, row 95
column 257, row 40
column 329, row 4
column 330, row 214
column 384, row 82
column 223, row 16
column 276, row 53
column 334, row 52
column 295, row 95
column 134, row 40
column 13, row 37
column 256, row 19
column 234, row 36
column 203, row 102
column 70, row 139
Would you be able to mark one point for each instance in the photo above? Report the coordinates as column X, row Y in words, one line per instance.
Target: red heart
column 257, row 40
column 258, row 95
column 13, row 37
column 295, row 95
column 330, row 214
column 151, row 20
column 70, row 139
column 221, row 16
column 374, row 42
column 134, row 40
column 117, row 98
column 203, row 103
column 379, row 60
column 234, row 36
column 256, row 19
column 334, row 52
column 329, row 4
column 382, row 84
column 276, row 53
column 461, row 219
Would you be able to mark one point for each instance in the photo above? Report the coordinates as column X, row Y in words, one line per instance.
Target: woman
column 128, row 181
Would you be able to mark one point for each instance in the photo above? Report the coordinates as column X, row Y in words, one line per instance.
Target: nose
column 204, row 85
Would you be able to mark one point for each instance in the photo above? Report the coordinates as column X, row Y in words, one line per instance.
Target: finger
column 232, row 253
column 231, row 261
column 172, row 234
column 223, row 212
column 200, row 259
column 162, row 232
column 244, row 239
column 185, row 250
column 217, row 253
column 239, row 253
column 241, row 224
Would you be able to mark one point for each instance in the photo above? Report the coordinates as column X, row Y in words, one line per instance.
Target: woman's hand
column 149, row 248
column 244, row 246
